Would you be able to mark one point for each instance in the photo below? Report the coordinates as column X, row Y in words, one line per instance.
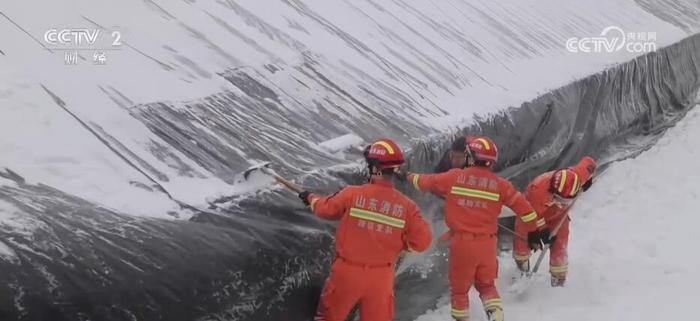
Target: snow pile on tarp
column 200, row 90
column 342, row 143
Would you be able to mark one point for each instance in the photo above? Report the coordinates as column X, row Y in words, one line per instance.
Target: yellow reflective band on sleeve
column 313, row 202
column 575, row 185
column 493, row 304
column 415, row 179
column 558, row 269
column 476, row 193
column 562, row 182
column 541, row 222
column 460, row 313
column 377, row 217
column 529, row 217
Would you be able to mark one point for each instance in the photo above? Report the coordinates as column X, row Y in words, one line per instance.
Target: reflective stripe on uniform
column 460, row 313
column 415, row 179
column 562, row 182
column 493, row 304
column 476, row 193
column 521, row 258
column 541, row 222
column 377, row 217
column 313, row 202
column 529, row 217
column 558, row 269
column 575, row 189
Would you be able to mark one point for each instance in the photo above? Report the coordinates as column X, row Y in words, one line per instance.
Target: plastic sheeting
column 612, row 115
column 267, row 258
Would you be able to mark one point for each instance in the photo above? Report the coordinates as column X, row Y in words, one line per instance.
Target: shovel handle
column 539, row 261
column 554, row 233
column 289, row 185
column 279, row 179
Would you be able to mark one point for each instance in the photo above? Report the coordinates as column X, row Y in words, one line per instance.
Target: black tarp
column 612, row 115
column 266, row 259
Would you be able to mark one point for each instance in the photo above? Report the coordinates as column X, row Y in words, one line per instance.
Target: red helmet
column 482, row 149
column 384, row 153
column 566, row 183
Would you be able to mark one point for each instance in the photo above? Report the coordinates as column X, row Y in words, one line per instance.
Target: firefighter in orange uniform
column 377, row 223
column 474, row 196
column 551, row 194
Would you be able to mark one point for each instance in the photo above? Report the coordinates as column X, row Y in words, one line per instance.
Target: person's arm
column 417, row 233
column 438, row 184
column 517, row 202
column 329, row 207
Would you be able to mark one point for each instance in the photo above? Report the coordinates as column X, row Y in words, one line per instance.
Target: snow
column 631, row 245
column 257, row 180
column 7, row 182
column 341, row 143
column 16, row 220
column 45, row 145
column 461, row 57
column 7, row 253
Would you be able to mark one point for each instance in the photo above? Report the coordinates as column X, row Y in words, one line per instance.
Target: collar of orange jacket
column 381, row 181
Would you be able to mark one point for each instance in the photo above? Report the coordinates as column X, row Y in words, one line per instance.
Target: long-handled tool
column 528, row 277
column 511, row 231
column 265, row 168
column 546, row 247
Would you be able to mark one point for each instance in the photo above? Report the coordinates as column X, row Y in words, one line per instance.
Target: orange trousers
column 473, row 261
column 558, row 255
column 372, row 287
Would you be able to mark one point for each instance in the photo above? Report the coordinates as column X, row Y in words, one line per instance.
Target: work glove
column 537, row 239
column 304, row 196
column 588, row 185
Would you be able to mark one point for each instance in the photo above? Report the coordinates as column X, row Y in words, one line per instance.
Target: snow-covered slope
column 632, row 239
column 200, row 90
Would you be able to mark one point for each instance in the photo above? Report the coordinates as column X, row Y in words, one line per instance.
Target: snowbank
column 632, row 238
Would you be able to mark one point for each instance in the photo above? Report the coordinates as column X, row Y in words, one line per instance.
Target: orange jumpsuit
column 474, row 197
column 539, row 195
column 377, row 222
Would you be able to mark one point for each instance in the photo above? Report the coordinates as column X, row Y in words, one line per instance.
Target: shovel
column 530, row 276
column 265, row 168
